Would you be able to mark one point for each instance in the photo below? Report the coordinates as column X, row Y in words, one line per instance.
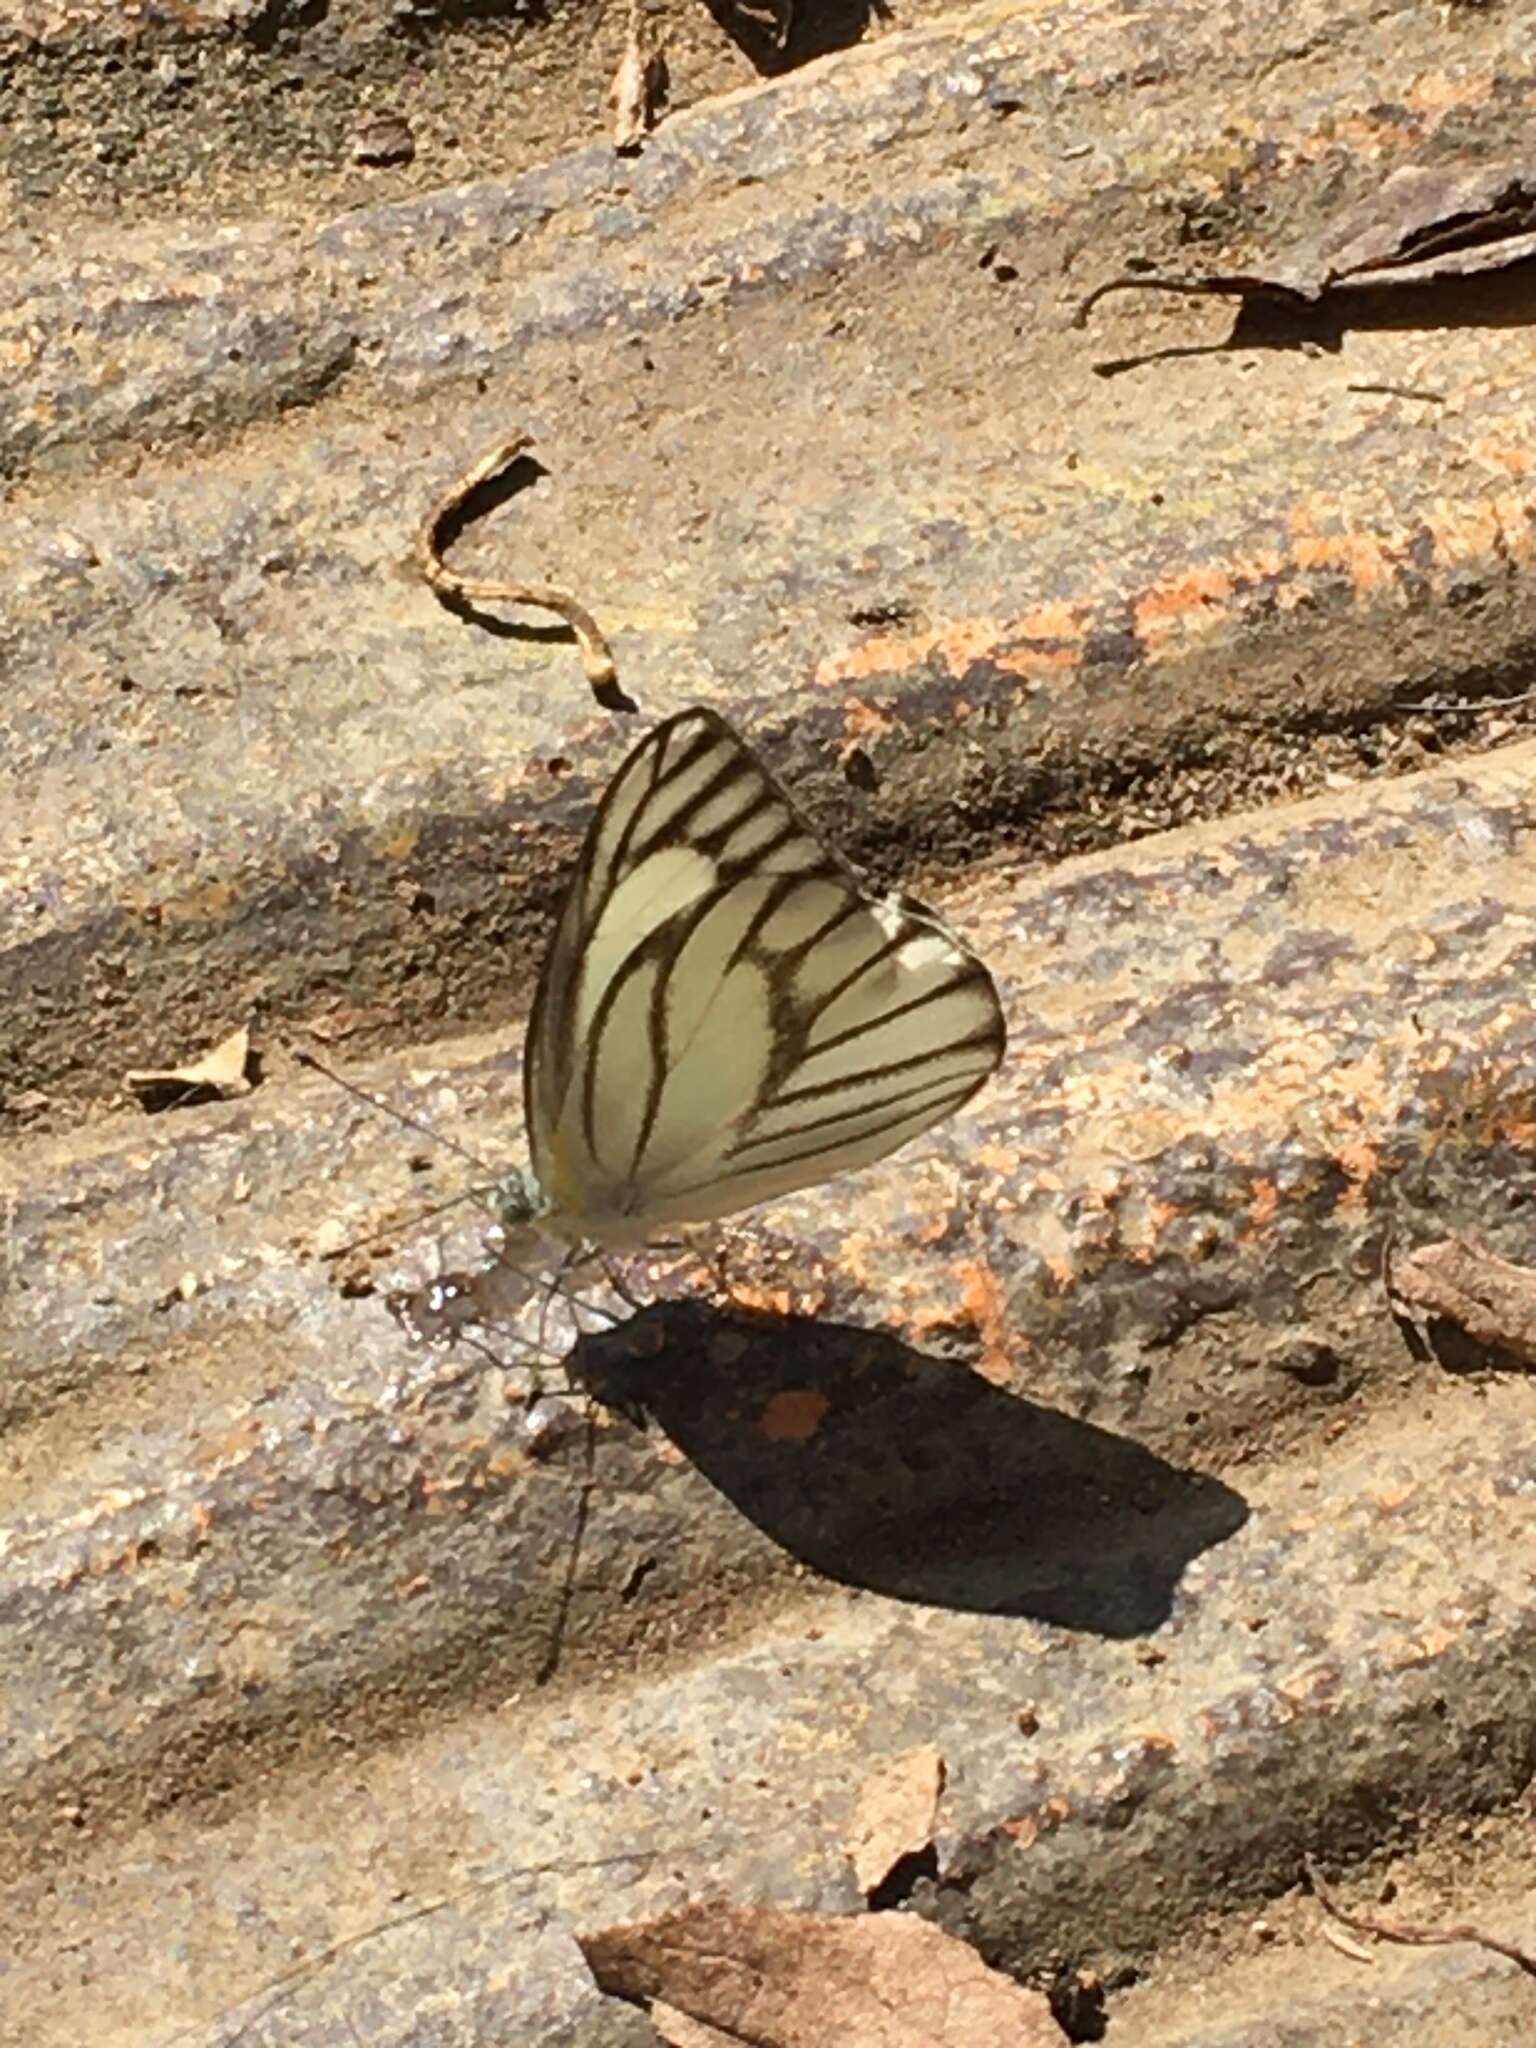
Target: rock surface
column 1082, row 1445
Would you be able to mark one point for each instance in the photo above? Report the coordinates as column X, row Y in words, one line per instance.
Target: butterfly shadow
column 912, row 1476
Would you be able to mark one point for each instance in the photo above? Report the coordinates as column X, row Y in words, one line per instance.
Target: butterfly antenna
column 401, row 1116
column 360, row 1244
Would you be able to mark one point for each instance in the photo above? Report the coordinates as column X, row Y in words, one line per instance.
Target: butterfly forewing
column 724, row 1013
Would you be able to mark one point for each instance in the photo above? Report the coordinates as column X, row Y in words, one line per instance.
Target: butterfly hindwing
column 724, row 1013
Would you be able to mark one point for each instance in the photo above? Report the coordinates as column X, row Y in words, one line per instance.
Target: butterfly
column 726, row 1012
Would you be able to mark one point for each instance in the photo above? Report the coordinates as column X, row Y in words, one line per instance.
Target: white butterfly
column 725, row 1013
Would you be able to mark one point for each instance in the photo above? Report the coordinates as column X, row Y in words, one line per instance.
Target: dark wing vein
column 724, row 1013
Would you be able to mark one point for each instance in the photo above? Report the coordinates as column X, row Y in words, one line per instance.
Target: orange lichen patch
column 1015, row 646
column 1197, row 596
column 1405, row 1652
column 1359, row 1094
column 1143, row 1228
column 854, row 1257
column 1498, row 526
column 1498, row 455
column 956, row 645
column 1363, row 557
column 1171, row 602
column 1360, row 1161
column 230, row 1443
column 1142, row 1134
column 774, row 1301
column 1307, row 1686
column 1036, row 661
column 865, row 720
column 1365, row 136
column 1263, row 1203
column 794, row 1415
column 922, row 1322
column 206, row 905
column 1000, row 1158
column 1439, row 92
column 1061, row 1270
column 1049, row 637
column 982, row 1298
column 1029, row 1827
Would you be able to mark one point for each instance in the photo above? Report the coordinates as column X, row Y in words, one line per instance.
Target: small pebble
column 384, row 139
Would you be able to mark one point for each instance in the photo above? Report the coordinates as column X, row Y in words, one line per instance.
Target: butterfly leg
column 710, row 1247
column 618, row 1280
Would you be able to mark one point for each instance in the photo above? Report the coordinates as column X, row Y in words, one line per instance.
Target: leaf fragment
column 1485, row 1297
column 639, row 87
column 1422, row 224
column 894, row 1814
column 753, row 1974
column 221, row 1072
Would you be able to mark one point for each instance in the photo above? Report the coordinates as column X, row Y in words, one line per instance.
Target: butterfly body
column 725, row 1013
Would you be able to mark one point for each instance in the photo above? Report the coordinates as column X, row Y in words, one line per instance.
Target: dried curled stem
column 1416, row 1937
column 441, row 526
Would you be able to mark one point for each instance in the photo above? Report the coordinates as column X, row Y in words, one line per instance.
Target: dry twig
column 1413, row 1937
column 1481, row 704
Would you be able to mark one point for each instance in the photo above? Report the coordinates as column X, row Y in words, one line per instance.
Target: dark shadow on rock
column 520, row 474
column 777, row 35
column 1503, row 298
column 912, row 1476
column 1439, row 1341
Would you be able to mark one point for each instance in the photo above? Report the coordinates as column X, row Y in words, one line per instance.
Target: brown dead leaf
column 805, row 1980
column 221, row 1072
column 1489, row 1299
column 893, row 1815
column 1421, row 224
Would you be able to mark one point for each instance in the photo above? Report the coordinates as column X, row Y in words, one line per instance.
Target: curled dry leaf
column 894, row 1813
column 221, row 1072
column 1489, row 1299
column 639, row 86
column 751, row 1974
column 1421, row 224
